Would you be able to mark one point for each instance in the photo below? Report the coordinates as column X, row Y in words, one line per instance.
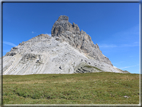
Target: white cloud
column 129, row 66
column 5, row 50
column 127, row 38
column 48, row 34
column 107, row 46
column 33, row 32
column 123, row 45
column 115, row 67
column 9, row 43
column 130, row 45
column 128, row 33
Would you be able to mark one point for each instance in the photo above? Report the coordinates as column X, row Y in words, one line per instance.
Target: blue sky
column 113, row 26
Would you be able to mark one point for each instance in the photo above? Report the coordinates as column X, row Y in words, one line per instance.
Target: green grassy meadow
column 86, row 88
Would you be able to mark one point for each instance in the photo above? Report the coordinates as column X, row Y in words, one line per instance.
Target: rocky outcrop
column 69, row 50
column 65, row 31
column 86, row 67
column 62, row 25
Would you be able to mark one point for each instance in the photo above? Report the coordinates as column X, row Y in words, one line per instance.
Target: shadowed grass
column 87, row 88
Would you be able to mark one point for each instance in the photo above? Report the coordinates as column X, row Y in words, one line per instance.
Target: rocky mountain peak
column 63, row 17
column 65, row 31
column 68, row 50
column 62, row 25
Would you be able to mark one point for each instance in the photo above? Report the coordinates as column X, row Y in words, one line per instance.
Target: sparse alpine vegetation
column 82, row 88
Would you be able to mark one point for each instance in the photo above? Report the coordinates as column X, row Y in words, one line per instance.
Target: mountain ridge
column 67, row 51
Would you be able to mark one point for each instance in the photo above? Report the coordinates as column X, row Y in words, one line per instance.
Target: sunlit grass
column 87, row 88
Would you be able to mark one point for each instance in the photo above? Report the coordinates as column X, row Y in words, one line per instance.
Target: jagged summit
column 63, row 17
column 79, row 39
column 68, row 50
column 62, row 25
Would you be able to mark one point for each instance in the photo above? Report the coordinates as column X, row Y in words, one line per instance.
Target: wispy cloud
column 108, row 46
column 33, row 32
column 5, row 50
column 129, row 66
column 48, row 34
column 9, row 43
column 128, row 36
column 123, row 45
column 130, row 45
column 133, row 31
column 120, row 62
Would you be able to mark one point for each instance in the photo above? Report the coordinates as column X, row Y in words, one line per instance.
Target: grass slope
column 87, row 88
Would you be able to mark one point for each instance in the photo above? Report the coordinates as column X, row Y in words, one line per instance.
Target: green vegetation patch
column 86, row 88
column 88, row 66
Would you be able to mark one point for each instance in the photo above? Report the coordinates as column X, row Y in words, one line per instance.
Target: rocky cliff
column 69, row 50
column 65, row 31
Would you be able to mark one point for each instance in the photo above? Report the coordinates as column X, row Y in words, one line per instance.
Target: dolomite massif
column 67, row 51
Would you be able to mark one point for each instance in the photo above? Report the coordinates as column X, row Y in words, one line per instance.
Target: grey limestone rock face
column 67, row 51
column 71, row 33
